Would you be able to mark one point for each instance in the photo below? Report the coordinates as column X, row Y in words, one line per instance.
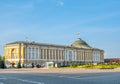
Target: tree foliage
column 2, row 64
column 19, row 65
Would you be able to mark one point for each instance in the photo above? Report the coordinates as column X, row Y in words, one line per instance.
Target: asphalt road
column 55, row 78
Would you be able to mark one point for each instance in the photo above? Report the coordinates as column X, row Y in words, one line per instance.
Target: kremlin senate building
column 27, row 53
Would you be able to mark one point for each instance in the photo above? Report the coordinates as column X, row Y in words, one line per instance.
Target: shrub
column 2, row 64
column 19, row 65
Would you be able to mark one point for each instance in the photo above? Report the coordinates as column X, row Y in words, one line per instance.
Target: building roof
column 35, row 43
column 79, row 43
column 17, row 42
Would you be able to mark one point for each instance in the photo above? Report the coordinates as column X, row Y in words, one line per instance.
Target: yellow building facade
column 14, row 53
column 38, row 53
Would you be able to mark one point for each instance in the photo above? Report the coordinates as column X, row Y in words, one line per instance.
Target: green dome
column 79, row 43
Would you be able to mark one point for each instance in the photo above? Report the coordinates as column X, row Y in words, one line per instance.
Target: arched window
column 13, row 53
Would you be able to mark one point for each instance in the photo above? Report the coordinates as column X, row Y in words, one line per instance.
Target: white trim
column 14, row 59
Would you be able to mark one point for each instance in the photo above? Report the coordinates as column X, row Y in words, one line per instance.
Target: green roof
column 79, row 43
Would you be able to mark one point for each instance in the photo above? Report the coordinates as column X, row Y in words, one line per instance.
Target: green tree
column 1, row 57
column 2, row 64
column 19, row 65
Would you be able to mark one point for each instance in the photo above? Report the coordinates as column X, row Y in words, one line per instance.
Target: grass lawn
column 97, row 66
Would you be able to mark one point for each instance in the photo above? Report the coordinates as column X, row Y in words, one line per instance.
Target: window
column 13, row 53
column 29, row 53
column 32, row 53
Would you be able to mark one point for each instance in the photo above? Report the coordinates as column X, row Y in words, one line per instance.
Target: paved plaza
column 59, row 76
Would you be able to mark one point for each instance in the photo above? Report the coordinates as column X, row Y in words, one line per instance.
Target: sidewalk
column 58, row 70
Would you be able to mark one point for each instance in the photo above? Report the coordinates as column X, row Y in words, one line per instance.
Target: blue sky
column 58, row 21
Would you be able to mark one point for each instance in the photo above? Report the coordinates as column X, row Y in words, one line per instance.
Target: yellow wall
column 16, row 48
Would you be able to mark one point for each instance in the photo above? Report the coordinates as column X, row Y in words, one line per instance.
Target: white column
column 46, row 54
column 55, row 54
column 27, row 52
column 34, row 53
column 65, row 54
column 35, row 50
column 43, row 54
column 61, row 55
column 52, row 54
column 75, row 55
column 58, row 55
column 30, row 53
column 49, row 53
column 38, row 53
